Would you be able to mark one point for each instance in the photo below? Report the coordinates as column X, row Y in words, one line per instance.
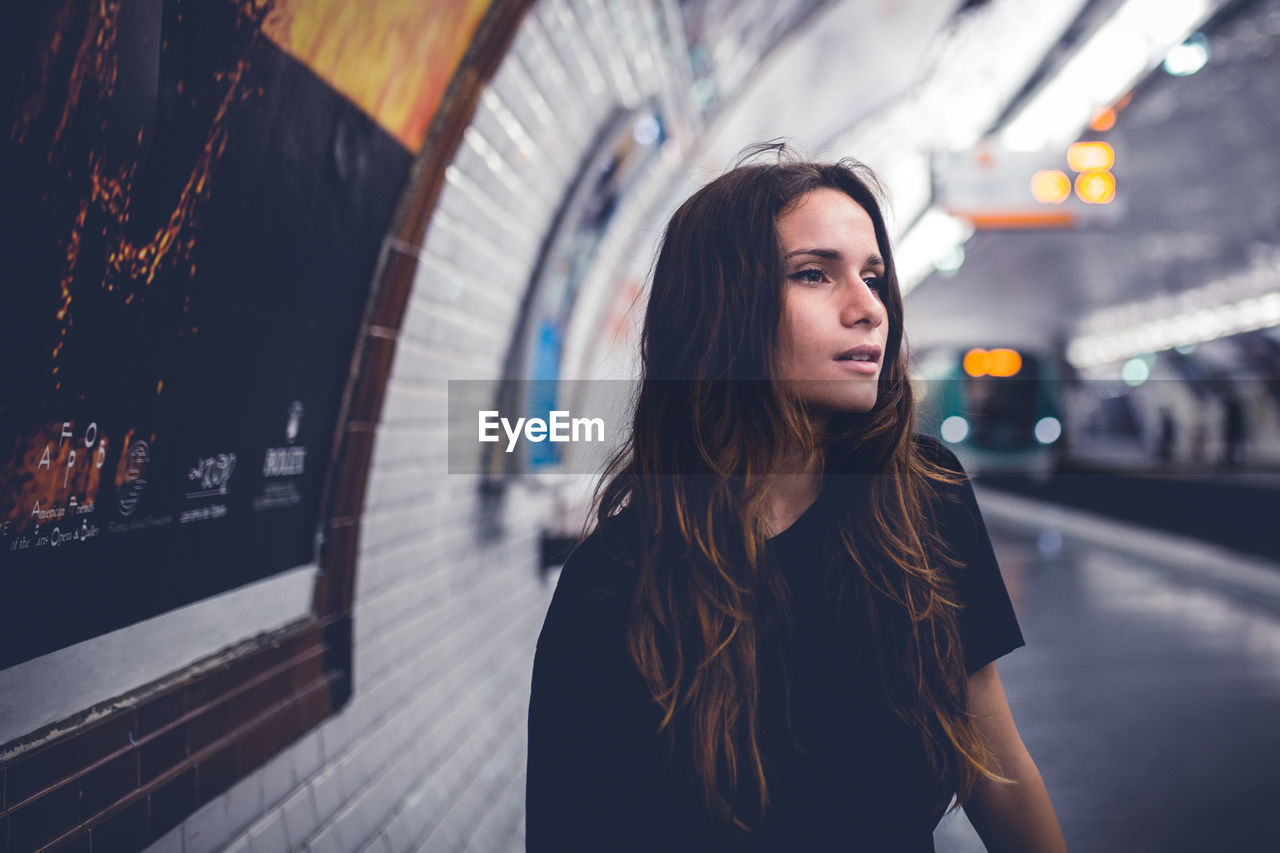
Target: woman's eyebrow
column 829, row 254
column 835, row 255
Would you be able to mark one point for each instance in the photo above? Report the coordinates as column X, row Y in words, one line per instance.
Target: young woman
column 782, row 633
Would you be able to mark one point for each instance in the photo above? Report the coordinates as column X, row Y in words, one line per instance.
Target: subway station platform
column 1149, row 689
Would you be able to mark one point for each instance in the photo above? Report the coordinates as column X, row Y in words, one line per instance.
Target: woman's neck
column 788, row 495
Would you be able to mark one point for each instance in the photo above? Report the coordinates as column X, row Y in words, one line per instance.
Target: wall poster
column 195, row 195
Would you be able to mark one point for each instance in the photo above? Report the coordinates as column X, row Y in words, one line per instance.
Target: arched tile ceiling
column 1198, row 167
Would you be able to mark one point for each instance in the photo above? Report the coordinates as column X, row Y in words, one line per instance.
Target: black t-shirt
column 845, row 774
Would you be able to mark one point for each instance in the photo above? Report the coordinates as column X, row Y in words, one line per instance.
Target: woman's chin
column 856, row 404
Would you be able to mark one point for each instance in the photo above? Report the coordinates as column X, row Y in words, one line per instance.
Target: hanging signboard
column 995, row 188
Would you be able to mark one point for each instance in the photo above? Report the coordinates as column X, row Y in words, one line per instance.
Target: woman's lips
column 863, row 359
column 866, row 368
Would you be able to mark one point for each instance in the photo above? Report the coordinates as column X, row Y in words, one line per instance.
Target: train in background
column 997, row 409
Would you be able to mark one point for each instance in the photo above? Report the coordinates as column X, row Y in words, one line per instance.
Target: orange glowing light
column 1011, row 220
column 1050, row 186
column 1003, row 362
column 1104, row 120
column 996, row 362
column 1096, row 187
column 1091, row 157
column 975, row 362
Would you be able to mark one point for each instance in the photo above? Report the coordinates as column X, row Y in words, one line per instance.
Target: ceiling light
column 1189, row 57
column 934, row 236
column 1128, row 45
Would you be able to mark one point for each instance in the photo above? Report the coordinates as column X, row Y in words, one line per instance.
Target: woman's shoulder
column 601, row 562
column 954, row 503
column 933, row 450
column 594, row 588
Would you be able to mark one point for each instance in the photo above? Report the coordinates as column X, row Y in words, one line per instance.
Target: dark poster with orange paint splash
column 191, row 221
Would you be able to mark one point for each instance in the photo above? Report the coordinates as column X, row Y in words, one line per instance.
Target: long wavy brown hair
column 710, row 426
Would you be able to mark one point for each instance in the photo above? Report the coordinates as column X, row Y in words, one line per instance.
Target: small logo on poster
column 135, row 476
column 295, row 421
column 211, row 475
column 288, row 461
column 280, row 464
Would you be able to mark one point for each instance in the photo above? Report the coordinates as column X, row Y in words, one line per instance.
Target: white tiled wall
column 429, row 754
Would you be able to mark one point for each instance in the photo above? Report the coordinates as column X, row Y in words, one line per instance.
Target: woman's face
column 834, row 326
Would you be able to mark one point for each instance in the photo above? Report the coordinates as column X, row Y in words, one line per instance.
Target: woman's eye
column 811, row 275
column 875, row 282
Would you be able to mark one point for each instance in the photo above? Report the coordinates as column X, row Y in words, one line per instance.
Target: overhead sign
column 995, row 188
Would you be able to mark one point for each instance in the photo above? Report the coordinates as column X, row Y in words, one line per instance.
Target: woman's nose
column 861, row 304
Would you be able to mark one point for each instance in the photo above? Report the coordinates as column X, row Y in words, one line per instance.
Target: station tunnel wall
column 449, row 598
column 424, row 745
